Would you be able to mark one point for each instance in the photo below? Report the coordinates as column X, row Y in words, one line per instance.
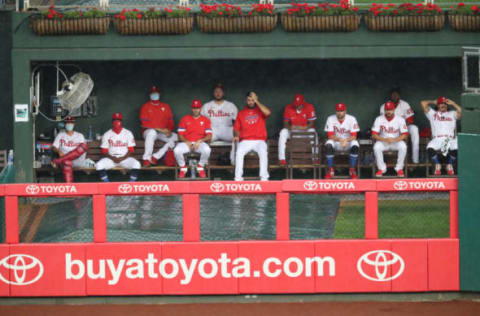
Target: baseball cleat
column 146, row 163
column 154, row 161
column 182, row 173
column 438, row 169
column 283, row 162
column 352, row 173
column 330, row 173
column 379, row 173
column 450, row 171
column 400, row 173
column 201, row 172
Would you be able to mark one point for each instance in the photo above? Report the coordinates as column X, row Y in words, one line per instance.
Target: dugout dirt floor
column 456, row 304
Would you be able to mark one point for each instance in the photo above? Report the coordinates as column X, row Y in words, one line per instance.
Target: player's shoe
column 201, row 171
column 400, row 173
column 183, row 172
column 379, row 173
column 154, row 161
column 146, row 163
column 283, row 162
column 352, row 173
column 450, row 171
column 330, row 173
column 438, row 169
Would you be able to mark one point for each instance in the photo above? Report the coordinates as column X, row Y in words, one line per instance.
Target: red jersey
column 194, row 129
column 250, row 123
column 156, row 114
column 300, row 118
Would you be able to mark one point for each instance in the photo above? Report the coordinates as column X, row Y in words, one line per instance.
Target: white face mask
column 69, row 127
column 155, row 96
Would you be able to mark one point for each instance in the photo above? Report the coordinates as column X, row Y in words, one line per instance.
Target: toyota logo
column 310, row 185
column 400, row 185
column 217, row 187
column 23, row 269
column 374, row 265
column 32, row 189
column 125, row 188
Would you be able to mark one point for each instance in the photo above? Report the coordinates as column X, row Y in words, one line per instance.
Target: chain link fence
column 234, row 217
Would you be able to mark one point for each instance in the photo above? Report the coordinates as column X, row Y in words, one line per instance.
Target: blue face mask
column 69, row 127
column 155, row 96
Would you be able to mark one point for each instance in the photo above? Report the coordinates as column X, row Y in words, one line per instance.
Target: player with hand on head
column 71, row 149
column 342, row 130
column 389, row 131
column 221, row 114
column 194, row 132
column 118, row 146
column 404, row 110
column 444, row 131
column 298, row 116
column 156, row 119
column 250, row 130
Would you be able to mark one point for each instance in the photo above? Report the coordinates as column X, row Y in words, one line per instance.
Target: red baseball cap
column 441, row 100
column 117, row 116
column 389, row 105
column 340, row 107
column 196, row 104
column 154, row 89
column 298, row 99
column 69, row 119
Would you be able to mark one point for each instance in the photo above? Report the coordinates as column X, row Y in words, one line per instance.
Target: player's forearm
column 425, row 105
column 378, row 137
column 207, row 138
column 182, row 138
column 265, row 110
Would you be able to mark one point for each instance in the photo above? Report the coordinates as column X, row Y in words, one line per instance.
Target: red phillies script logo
column 23, row 269
column 117, row 143
column 375, row 265
column 437, row 117
column 70, row 143
column 218, row 113
column 389, row 130
column 217, row 187
column 341, row 130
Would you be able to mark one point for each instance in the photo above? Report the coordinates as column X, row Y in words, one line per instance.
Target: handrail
column 191, row 202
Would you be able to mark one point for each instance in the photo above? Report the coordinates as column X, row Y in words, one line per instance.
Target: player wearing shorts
column 404, row 110
column 298, row 116
column 194, row 132
column 221, row 114
column 389, row 131
column 118, row 146
column 342, row 130
column 156, row 120
column 444, row 132
column 71, row 149
column 250, row 130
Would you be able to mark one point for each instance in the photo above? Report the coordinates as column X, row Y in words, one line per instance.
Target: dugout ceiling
column 356, row 68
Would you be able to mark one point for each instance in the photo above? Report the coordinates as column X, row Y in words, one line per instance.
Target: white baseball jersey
column 444, row 124
column 390, row 129
column 66, row 143
column 342, row 129
column 117, row 144
column 220, row 115
column 403, row 110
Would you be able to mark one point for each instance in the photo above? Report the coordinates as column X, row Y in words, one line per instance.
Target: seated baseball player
column 298, row 116
column 342, row 130
column 250, row 130
column 118, row 146
column 404, row 110
column 444, row 132
column 156, row 120
column 194, row 132
column 389, row 131
column 71, row 149
column 221, row 114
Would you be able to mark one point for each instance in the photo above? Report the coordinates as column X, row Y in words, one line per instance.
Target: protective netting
column 235, row 217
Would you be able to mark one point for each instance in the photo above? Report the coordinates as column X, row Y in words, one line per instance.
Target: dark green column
column 23, row 142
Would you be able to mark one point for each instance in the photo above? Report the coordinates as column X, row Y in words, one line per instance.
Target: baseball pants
column 415, row 139
column 337, row 146
column 182, row 148
column 151, row 135
column 127, row 163
column 282, row 141
column 380, row 147
column 258, row 146
column 226, row 135
column 438, row 142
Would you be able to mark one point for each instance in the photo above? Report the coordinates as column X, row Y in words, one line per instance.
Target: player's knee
column 150, row 133
column 354, row 150
column 329, row 149
column 284, row 133
column 402, row 146
column 136, row 165
column 453, row 153
column 431, row 152
column 207, row 150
